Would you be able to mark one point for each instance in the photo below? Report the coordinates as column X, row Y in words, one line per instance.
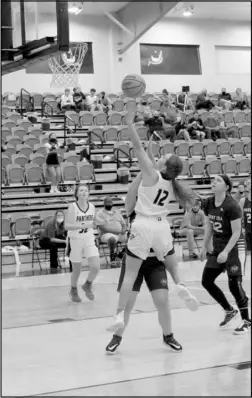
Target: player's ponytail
column 174, row 167
column 186, row 197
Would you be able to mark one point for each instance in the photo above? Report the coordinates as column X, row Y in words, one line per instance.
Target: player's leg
column 138, row 249
column 156, row 280
column 91, row 252
column 234, row 270
column 76, row 260
column 164, row 243
column 117, row 336
column 211, row 272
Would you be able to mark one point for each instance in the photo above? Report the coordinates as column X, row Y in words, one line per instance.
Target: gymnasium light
column 74, row 9
column 188, row 12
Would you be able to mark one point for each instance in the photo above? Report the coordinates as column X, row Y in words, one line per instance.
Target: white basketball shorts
column 83, row 247
column 150, row 233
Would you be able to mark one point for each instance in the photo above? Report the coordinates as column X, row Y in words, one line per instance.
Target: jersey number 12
column 162, row 195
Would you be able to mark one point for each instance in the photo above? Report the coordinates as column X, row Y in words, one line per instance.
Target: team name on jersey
column 214, row 218
column 248, row 210
column 83, row 218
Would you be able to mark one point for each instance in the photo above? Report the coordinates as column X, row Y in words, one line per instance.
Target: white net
column 66, row 66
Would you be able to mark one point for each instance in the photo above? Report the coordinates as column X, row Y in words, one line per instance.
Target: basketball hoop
column 66, row 66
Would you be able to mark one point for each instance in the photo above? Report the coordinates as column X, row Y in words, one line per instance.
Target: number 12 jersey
column 153, row 201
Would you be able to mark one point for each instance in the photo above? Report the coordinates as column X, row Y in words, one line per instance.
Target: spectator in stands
column 192, row 226
column 241, row 191
column 105, row 102
column 225, row 100
column 53, row 238
column 183, row 102
column 160, row 129
column 240, row 100
column 79, row 99
column 67, row 102
column 212, row 126
column 52, row 161
column 143, row 111
column 111, row 227
column 92, row 101
column 166, row 97
column 195, row 127
column 202, row 102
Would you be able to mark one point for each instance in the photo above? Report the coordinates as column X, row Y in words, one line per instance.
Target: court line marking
column 97, row 317
column 203, row 290
column 232, row 365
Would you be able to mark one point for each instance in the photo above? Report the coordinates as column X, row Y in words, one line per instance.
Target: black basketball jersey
column 221, row 217
column 247, row 215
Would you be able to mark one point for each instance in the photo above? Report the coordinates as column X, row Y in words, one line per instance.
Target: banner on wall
column 87, row 66
column 170, row 59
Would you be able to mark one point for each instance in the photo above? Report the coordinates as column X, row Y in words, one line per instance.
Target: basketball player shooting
column 150, row 228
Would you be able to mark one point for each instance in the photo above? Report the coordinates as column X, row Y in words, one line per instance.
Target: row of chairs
column 35, row 174
column 218, row 148
column 22, row 159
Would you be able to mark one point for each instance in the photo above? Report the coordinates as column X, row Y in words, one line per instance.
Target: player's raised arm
column 145, row 163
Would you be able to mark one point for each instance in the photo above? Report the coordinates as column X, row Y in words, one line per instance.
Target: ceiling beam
column 139, row 17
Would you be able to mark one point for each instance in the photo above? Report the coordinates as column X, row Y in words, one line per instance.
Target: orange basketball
column 133, row 86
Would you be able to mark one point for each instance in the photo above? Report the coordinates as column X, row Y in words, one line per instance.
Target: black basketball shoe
column 229, row 316
column 169, row 341
column 113, row 344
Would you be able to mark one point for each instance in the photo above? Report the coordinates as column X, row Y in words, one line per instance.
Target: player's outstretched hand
column 203, row 254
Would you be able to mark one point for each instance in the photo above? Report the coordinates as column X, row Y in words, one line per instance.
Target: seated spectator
column 67, row 102
column 166, row 97
column 54, row 237
column 225, row 100
column 92, row 101
column 195, row 127
column 202, row 102
column 212, row 127
column 241, row 191
column 105, row 102
column 169, row 112
column 163, row 130
column 79, row 99
column 143, row 111
column 192, row 226
column 240, row 100
column 183, row 102
column 111, row 227
column 52, row 161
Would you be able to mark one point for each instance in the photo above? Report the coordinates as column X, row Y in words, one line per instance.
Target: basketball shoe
column 113, row 344
column 245, row 327
column 169, row 341
column 74, row 295
column 229, row 316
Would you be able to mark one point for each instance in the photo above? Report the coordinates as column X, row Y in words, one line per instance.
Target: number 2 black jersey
column 153, row 201
column 247, row 215
column 221, row 217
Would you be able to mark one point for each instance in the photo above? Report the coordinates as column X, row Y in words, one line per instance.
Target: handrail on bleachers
column 21, row 97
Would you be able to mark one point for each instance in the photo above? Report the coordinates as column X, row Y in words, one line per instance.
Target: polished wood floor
column 53, row 347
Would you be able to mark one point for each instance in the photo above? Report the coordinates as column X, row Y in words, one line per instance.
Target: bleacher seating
column 24, row 170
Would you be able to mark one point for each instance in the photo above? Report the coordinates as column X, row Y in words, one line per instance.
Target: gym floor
column 54, row 347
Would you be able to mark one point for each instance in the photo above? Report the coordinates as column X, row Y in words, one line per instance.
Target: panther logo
column 163, row 282
column 234, row 268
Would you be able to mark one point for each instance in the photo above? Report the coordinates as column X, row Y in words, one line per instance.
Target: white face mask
column 60, row 220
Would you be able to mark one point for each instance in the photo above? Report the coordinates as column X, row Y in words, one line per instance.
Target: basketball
column 133, row 86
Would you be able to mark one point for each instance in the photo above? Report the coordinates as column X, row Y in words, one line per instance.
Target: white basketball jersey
column 153, row 201
column 82, row 217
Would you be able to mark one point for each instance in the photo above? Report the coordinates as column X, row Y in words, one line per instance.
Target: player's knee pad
column 236, row 288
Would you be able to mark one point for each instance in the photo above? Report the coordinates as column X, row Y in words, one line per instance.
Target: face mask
column 144, row 103
column 155, row 117
column 195, row 210
column 60, row 220
column 53, row 140
column 108, row 207
column 223, row 92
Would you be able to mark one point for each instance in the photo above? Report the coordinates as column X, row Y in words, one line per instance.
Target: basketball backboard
column 39, row 29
